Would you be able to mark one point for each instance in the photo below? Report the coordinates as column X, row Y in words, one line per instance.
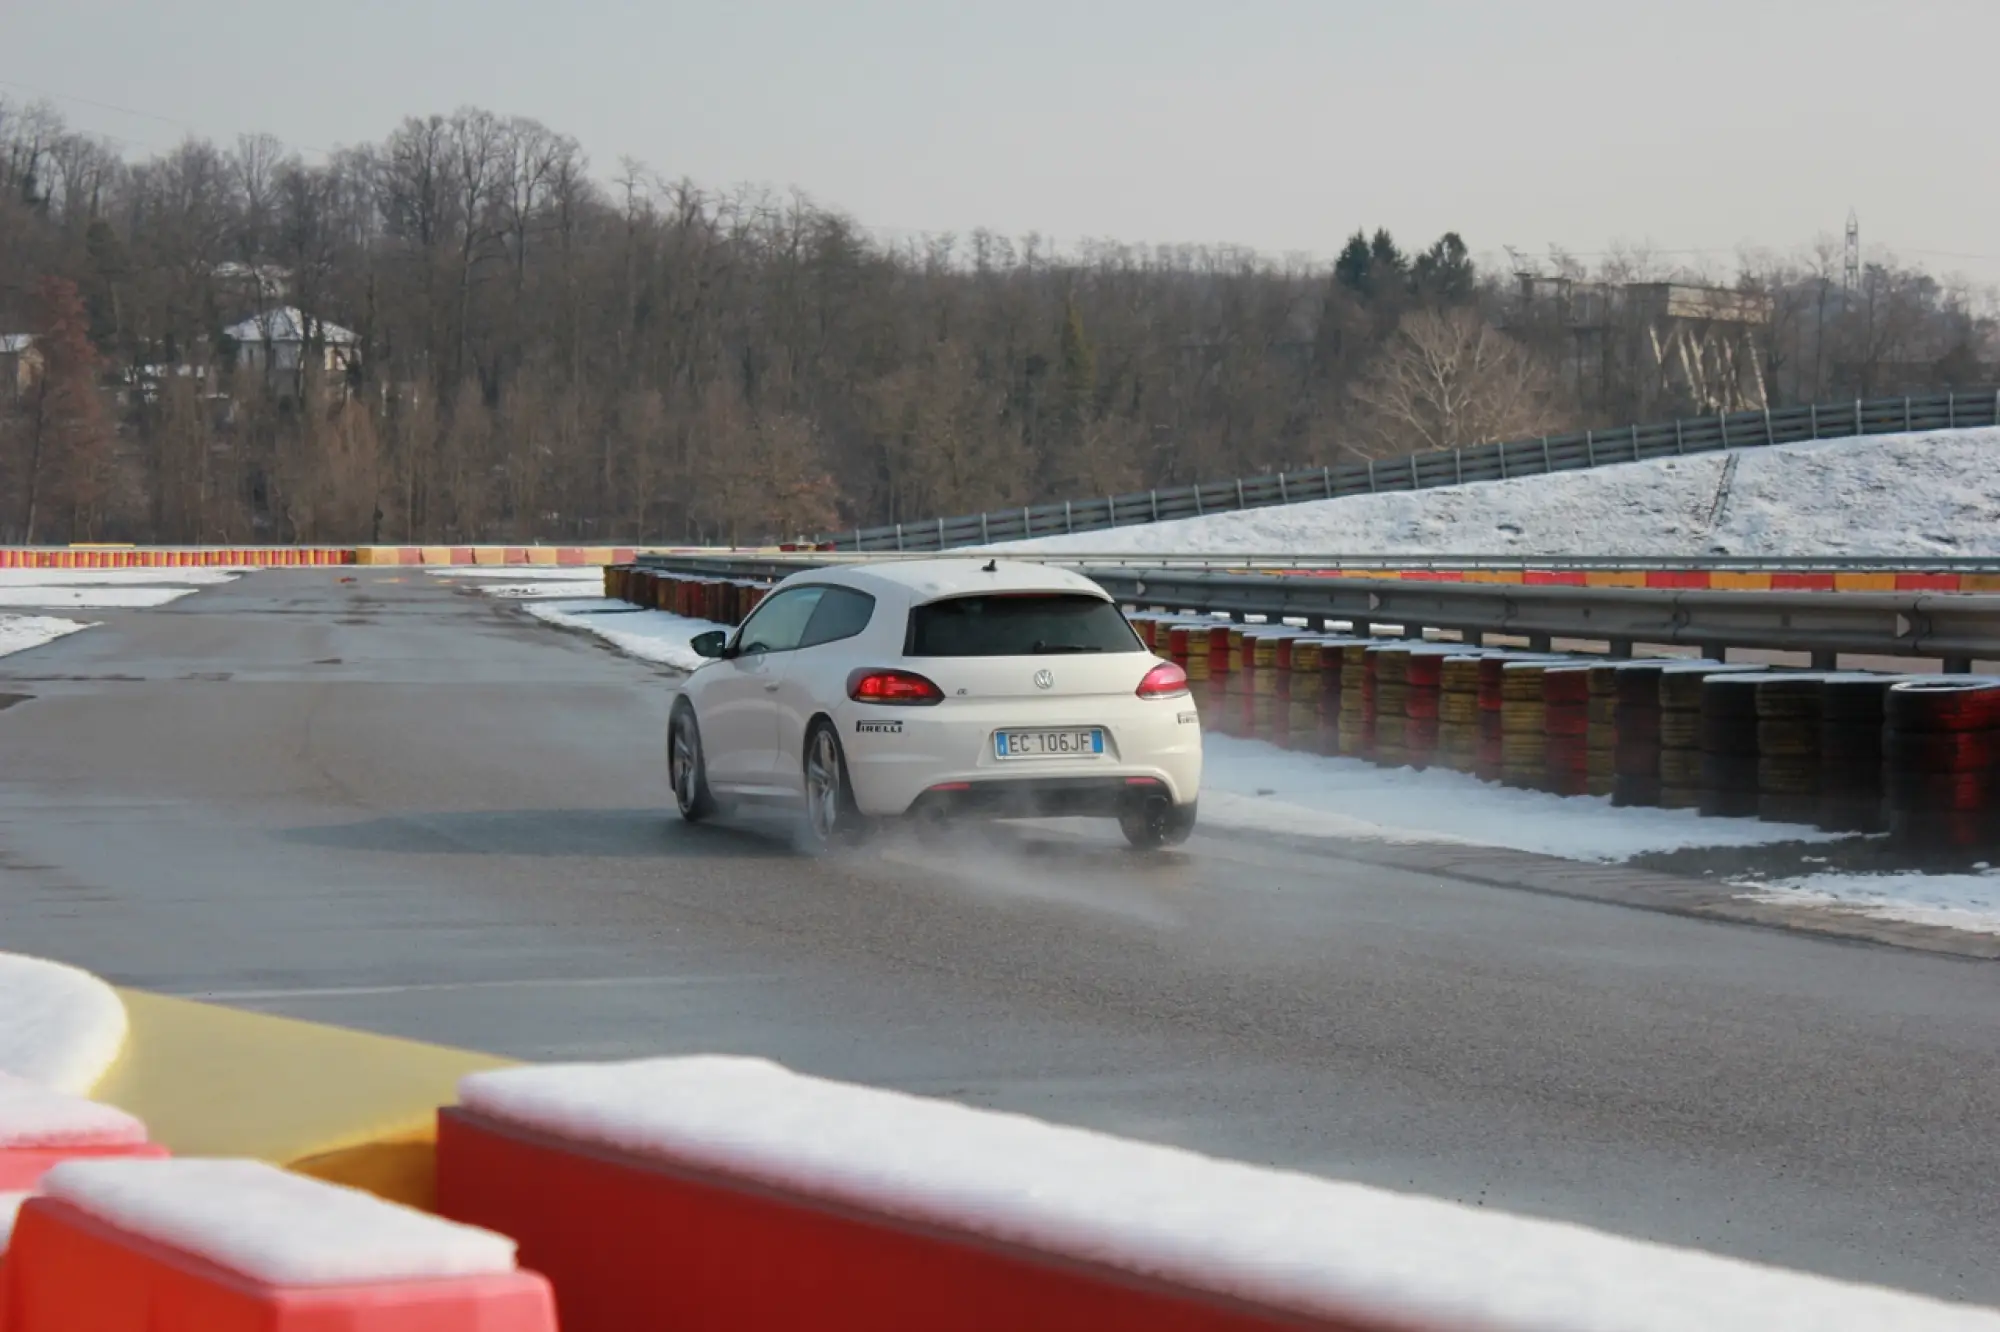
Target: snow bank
column 1969, row 902
column 1903, row 495
column 1258, row 787
column 32, row 1115
column 652, row 635
column 273, row 1226
column 18, row 633
column 1276, row 1237
column 58, row 1026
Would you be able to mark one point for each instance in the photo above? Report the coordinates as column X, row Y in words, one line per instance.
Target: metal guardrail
column 1957, row 627
column 1424, row 471
column 779, row 566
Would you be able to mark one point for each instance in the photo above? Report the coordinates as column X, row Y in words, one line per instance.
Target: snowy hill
column 1897, row 495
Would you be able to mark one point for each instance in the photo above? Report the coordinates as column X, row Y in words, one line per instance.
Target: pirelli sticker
column 879, row 727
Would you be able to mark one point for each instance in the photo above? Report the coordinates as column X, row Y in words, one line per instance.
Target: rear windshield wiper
column 1045, row 649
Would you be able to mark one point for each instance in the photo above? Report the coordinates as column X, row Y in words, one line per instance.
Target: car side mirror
column 713, row 644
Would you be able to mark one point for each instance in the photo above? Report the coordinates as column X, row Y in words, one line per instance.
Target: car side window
column 779, row 624
column 842, row 613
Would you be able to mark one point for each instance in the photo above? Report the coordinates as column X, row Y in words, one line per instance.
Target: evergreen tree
column 1351, row 269
column 1444, row 273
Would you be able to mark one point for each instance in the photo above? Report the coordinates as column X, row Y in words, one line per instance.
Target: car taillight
column 1165, row 680
column 901, row 687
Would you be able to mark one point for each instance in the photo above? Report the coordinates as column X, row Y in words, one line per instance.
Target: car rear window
column 1018, row 625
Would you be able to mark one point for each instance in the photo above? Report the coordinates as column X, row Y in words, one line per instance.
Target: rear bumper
column 1040, row 797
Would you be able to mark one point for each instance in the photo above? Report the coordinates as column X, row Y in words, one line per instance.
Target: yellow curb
column 489, row 554
column 339, row 1104
column 1864, row 582
column 1492, row 575
column 1979, row 582
column 434, row 555
column 1722, row 581
column 1614, row 578
column 542, row 555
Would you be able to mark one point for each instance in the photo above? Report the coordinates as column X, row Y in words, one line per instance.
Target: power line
column 188, row 126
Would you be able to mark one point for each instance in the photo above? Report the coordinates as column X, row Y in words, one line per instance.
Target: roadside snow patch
column 1254, row 786
column 1969, row 902
column 18, row 633
column 1317, row 1246
column 59, row 1026
column 113, row 577
column 72, row 597
column 273, row 1226
column 648, row 634
column 1897, row 495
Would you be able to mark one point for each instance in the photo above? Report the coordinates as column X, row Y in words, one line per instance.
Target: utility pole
column 1852, row 279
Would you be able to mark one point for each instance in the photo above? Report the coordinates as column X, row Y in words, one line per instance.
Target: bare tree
column 1448, row 380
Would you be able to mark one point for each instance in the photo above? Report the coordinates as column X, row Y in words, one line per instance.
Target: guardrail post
column 1680, row 441
column 1814, row 417
column 1284, row 497
column 1716, row 652
column 1240, row 504
column 1371, row 476
column 1621, row 649
column 1458, row 467
column 1415, row 484
column 1769, row 438
column 1538, row 643
column 1826, row 661
column 1154, row 495
column 899, row 536
column 1589, row 448
column 1951, row 411
column 1722, row 420
column 1547, row 466
column 1906, row 413
column 1500, row 452
column 940, row 544
column 1069, row 522
column 1326, row 473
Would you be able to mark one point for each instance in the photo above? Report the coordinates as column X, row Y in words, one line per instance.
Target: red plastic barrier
column 66, row 1271
column 21, row 1168
column 633, row 1244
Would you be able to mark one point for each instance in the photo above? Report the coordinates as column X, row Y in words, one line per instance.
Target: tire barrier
column 1941, row 762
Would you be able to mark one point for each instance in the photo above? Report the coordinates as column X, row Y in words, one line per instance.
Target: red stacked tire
column 1940, row 749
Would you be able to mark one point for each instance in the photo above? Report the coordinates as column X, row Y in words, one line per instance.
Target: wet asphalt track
column 393, row 806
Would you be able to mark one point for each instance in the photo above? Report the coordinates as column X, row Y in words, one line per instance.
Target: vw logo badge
column 1045, row 680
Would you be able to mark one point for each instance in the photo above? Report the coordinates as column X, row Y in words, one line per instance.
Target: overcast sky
column 1696, row 125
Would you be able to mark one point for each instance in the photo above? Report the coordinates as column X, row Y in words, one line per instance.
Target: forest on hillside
column 501, row 341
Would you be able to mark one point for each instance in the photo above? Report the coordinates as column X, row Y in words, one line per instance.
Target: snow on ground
column 522, row 583
column 1254, row 786
column 648, row 634
column 1969, row 902
column 103, row 589
column 274, row 1226
column 113, row 577
column 18, row 633
column 1905, row 495
column 91, row 598
column 1317, row 1246
column 59, row 1026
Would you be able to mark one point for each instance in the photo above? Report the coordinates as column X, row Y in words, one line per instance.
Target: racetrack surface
column 391, row 805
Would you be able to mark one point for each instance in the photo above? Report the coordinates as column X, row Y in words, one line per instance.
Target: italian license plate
column 1083, row 742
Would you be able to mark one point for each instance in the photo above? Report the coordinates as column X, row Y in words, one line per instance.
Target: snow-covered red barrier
column 41, row 1128
column 239, row 1246
column 731, row 1193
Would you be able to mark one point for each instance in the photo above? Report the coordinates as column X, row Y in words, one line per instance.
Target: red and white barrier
column 733, row 1194
column 239, row 1246
column 41, row 1128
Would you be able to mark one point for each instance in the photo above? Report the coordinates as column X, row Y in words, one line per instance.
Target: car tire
column 832, row 820
column 1152, row 827
column 687, row 770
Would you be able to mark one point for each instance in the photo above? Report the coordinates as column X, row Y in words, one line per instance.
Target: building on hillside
column 277, row 342
column 20, row 363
